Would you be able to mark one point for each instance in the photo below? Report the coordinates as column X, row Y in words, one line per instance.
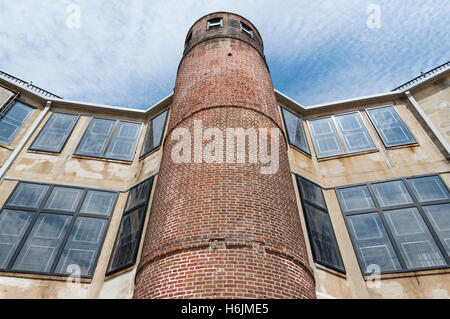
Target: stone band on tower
column 224, row 230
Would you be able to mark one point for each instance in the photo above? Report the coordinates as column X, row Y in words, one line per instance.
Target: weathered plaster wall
column 434, row 99
column 5, row 95
column 67, row 169
column 382, row 164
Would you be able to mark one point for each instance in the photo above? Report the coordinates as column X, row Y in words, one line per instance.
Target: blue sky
column 126, row 53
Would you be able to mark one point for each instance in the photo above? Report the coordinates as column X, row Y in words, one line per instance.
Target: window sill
column 42, row 277
column 9, row 148
column 406, row 274
column 322, row 159
column 150, row 153
column 402, row 146
column 300, row 151
column 108, row 160
column 43, row 152
column 331, row 271
column 120, row 272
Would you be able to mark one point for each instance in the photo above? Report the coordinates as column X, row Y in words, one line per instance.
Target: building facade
column 105, row 202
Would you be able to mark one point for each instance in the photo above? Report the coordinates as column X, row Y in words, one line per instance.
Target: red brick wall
column 224, row 230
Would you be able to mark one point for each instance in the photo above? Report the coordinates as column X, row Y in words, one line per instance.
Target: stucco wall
column 434, row 99
column 382, row 164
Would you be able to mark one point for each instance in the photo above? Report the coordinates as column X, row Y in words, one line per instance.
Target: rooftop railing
column 28, row 85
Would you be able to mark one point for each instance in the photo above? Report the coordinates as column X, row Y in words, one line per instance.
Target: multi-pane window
column 12, row 120
column 390, row 126
column 129, row 236
column 295, row 131
column 55, row 133
column 155, row 131
column 321, row 234
column 54, row 230
column 399, row 225
column 214, row 23
column 341, row 134
column 110, row 139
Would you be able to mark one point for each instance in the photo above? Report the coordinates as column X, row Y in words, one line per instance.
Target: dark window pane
column 414, row 239
column 98, row 203
column 439, row 216
column 139, row 194
column 295, row 131
column 13, row 224
column 65, row 199
column 325, row 137
column 155, row 131
column 124, row 141
column 128, row 240
column 356, row 137
column 12, row 120
column 390, row 127
column 83, row 246
column 322, row 239
column 55, row 133
column 392, row 193
column 28, row 195
column 355, row 198
column 428, row 188
column 372, row 243
column 41, row 247
column 96, row 138
column 311, row 192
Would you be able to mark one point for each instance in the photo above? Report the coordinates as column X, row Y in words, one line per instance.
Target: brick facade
column 224, row 230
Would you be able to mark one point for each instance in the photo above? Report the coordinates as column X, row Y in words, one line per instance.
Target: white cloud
column 127, row 53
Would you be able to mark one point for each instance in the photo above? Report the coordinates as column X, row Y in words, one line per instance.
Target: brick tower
column 224, row 230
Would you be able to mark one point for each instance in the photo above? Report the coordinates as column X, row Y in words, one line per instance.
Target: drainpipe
column 429, row 123
column 24, row 140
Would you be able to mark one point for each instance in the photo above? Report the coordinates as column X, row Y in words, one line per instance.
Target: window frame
column 304, row 201
column 246, row 29
column 31, row 148
column 145, row 205
column 5, row 110
column 378, row 209
column 142, row 155
column 415, row 142
column 210, row 25
column 307, row 152
column 42, row 210
column 340, row 135
column 110, row 139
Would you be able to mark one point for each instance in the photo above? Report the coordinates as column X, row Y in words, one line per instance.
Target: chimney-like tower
column 224, row 230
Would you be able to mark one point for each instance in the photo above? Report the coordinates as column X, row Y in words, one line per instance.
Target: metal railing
column 28, row 86
column 423, row 76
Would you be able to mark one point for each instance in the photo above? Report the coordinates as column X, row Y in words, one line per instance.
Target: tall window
column 390, row 127
column 55, row 133
column 12, row 120
column 54, row 230
column 341, row 134
column 110, row 139
column 129, row 236
column 295, row 131
column 399, row 225
column 321, row 234
column 155, row 131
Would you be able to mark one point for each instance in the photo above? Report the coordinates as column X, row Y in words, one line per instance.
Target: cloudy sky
column 126, row 53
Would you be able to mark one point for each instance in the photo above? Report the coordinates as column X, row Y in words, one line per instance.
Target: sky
column 126, row 53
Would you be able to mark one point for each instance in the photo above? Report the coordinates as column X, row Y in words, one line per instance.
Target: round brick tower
column 224, row 229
